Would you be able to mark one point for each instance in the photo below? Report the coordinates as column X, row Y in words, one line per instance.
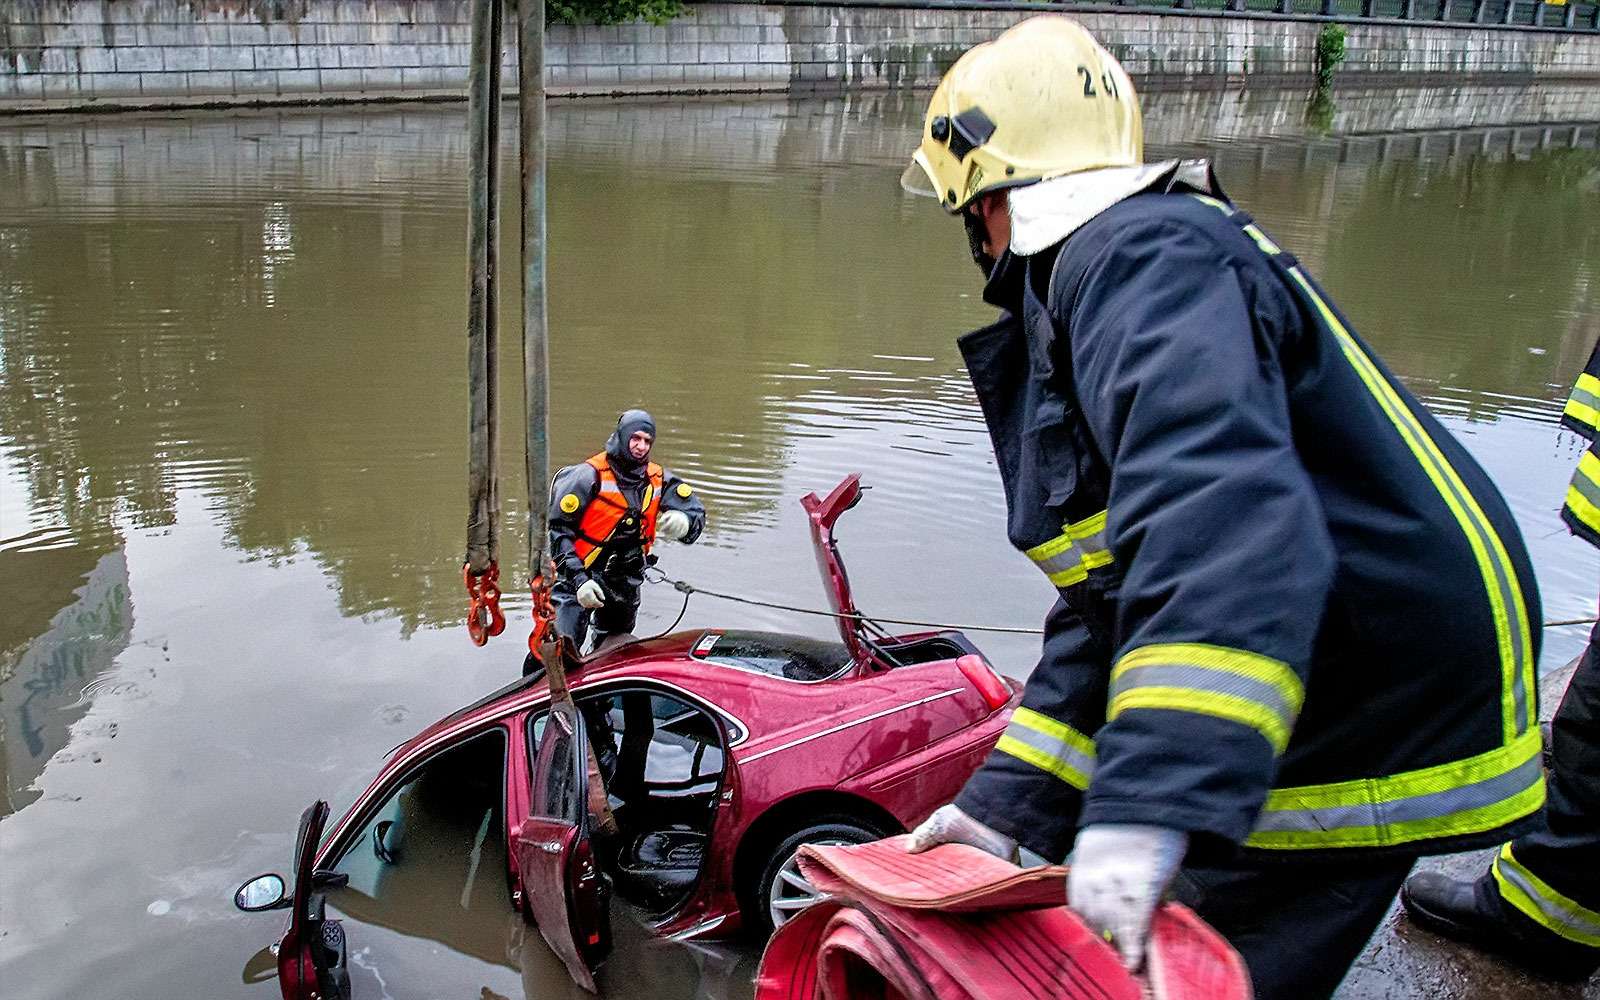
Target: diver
column 605, row 515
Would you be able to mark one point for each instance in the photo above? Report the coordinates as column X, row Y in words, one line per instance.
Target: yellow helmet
column 1041, row 100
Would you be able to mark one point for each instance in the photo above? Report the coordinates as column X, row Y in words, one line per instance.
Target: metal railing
column 1508, row 13
column 1523, row 15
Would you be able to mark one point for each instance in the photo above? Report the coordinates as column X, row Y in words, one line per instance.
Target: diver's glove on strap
column 673, row 525
column 1117, row 876
column 949, row 825
column 591, row 595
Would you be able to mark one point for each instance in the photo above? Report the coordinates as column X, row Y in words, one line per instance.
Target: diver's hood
column 624, row 465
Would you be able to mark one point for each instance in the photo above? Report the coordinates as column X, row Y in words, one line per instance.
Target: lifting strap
column 481, row 569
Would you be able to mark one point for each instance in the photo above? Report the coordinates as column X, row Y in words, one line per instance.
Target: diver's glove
column 1119, row 872
column 949, row 825
column 591, row 594
column 673, row 525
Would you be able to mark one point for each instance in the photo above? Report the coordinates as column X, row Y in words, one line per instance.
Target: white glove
column 591, row 596
column 1119, row 872
column 673, row 525
column 949, row 825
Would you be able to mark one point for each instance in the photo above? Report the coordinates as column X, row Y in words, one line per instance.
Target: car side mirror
column 264, row 892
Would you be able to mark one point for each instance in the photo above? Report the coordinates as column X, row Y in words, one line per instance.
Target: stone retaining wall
column 58, row 54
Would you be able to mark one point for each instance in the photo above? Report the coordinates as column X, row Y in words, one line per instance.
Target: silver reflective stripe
column 1218, row 681
column 1432, row 805
column 1586, row 487
column 1073, row 556
column 1560, row 915
column 608, row 486
column 1067, row 558
column 1235, row 685
column 1582, row 396
column 1054, row 748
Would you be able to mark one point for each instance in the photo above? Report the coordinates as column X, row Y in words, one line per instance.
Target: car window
column 559, row 779
column 646, row 740
column 431, row 860
column 791, row 657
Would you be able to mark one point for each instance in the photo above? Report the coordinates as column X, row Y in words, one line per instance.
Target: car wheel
column 783, row 891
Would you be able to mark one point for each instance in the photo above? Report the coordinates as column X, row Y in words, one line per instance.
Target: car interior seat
column 657, row 868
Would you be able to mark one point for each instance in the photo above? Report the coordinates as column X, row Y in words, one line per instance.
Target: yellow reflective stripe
column 1494, row 564
column 1542, row 904
column 1583, row 496
column 1222, row 706
column 1588, row 514
column 1067, row 558
column 1235, row 661
column 1267, row 246
column 1091, row 525
column 1463, row 797
column 1232, row 684
column 1584, row 403
column 1051, row 746
column 1515, row 640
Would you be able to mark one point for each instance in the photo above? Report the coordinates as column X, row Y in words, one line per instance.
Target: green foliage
column 1330, row 53
column 1320, row 111
column 611, row 11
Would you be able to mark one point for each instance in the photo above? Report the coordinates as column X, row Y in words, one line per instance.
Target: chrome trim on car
column 702, row 927
column 847, row 725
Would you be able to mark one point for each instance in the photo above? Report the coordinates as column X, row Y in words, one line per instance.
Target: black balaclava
column 977, row 234
column 629, row 471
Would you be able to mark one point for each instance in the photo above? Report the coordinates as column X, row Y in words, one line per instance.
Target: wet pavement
column 232, row 450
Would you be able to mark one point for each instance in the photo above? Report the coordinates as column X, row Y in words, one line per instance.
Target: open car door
column 822, row 514
column 312, row 953
column 566, row 893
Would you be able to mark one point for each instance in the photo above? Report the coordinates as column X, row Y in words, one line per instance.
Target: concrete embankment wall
column 85, row 53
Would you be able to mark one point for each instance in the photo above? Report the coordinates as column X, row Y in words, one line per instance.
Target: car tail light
column 976, row 670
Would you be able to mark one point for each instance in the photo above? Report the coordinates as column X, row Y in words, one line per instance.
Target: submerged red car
column 723, row 751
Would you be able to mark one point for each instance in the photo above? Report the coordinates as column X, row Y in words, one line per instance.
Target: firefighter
column 605, row 515
column 1292, row 648
column 1539, row 902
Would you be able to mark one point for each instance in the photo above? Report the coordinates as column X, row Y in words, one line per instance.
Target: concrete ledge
column 151, row 54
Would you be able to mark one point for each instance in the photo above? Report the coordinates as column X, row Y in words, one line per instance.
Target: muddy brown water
column 232, row 445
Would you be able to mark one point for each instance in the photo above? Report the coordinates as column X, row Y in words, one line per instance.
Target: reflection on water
column 233, row 397
column 48, row 680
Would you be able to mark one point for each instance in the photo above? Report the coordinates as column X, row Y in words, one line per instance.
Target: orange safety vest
column 608, row 508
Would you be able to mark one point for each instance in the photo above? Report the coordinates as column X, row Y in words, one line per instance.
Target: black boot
column 1452, row 907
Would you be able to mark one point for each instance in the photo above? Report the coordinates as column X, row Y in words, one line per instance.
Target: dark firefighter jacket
column 581, row 483
column 1294, row 614
column 1582, row 414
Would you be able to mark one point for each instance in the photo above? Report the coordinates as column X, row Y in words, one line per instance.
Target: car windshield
column 791, row 657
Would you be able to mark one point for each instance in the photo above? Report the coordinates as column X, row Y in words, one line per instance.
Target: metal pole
column 536, row 333
column 535, row 324
column 483, row 105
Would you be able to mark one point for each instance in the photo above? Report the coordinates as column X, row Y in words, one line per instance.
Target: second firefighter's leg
column 1298, row 927
column 1539, row 902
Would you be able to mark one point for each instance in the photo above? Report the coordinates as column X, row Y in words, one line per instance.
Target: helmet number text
column 1108, row 83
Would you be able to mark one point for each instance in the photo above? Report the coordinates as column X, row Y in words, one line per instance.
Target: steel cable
column 687, row 589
